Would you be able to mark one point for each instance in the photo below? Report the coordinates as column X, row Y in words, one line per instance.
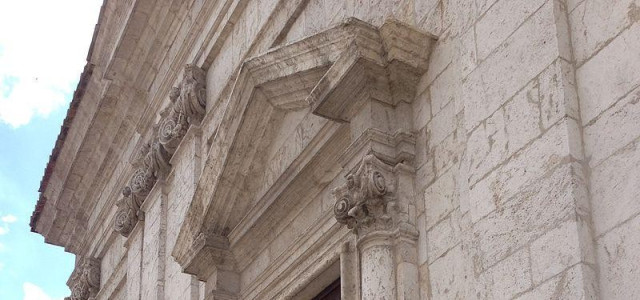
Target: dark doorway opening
column 331, row 292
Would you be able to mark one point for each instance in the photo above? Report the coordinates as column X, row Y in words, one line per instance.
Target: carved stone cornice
column 85, row 279
column 188, row 105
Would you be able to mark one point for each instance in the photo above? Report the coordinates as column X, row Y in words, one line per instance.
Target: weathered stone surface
column 610, row 75
column 507, row 278
column 595, row 23
column 618, row 251
column 615, row 189
column 621, row 123
column 575, row 283
column 436, row 149
column 500, row 21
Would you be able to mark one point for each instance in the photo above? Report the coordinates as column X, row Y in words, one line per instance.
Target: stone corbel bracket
column 211, row 261
column 84, row 281
column 188, row 105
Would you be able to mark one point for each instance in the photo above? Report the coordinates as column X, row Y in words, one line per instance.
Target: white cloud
column 34, row 292
column 42, row 56
column 9, row 218
column 4, row 229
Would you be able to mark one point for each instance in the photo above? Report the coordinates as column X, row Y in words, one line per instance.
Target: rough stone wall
column 528, row 130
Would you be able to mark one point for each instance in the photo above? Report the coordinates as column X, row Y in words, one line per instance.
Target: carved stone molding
column 188, row 105
column 209, row 253
column 85, row 279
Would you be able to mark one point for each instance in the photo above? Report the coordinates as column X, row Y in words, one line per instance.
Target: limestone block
column 609, row 75
column 134, row 262
column 439, row 199
column 594, row 23
column 442, row 237
column 421, row 109
column 484, row 5
column 423, row 152
column 442, row 124
column 445, row 89
column 430, row 19
column 560, row 249
column 450, row 275
column 578, row 282
column 522, row 117
column 503, row 18
column 507, row 278
column 442, row 54
column 112, row 257
column 468, row 58
column 533, row 211
column 458, row 16
column 558, row 94
column 449, row 153
column 487, row 87
column 619, row 255
column 572, row 4
column 422, row 240
column 425, row 174
column 422, row 8
column 526, row 167
column 487, row 146
column 615, row 190
column 614, row 129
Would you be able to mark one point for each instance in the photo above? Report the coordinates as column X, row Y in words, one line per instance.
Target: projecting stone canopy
column 354, row 76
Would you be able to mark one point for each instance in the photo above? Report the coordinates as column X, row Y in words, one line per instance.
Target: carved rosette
column 367, row 200
column 172, row 129
column 85, row 280
column 188, row 105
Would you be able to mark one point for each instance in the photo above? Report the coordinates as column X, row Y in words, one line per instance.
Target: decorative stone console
column 188, row 102
column 85, row 279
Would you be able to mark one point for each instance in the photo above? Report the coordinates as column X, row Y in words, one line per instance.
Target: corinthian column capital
column 367, row 200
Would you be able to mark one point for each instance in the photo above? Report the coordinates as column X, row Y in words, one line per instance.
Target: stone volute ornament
column 85, row 280
column 188, row 105
column 367, row 201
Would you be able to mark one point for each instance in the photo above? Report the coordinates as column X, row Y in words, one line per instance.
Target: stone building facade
column 388, row 149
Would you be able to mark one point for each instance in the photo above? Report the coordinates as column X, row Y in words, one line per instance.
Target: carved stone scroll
column 85, row 279
column 188, row 105
column 367, row 200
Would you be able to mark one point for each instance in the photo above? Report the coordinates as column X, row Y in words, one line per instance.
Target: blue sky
column 43, row 46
